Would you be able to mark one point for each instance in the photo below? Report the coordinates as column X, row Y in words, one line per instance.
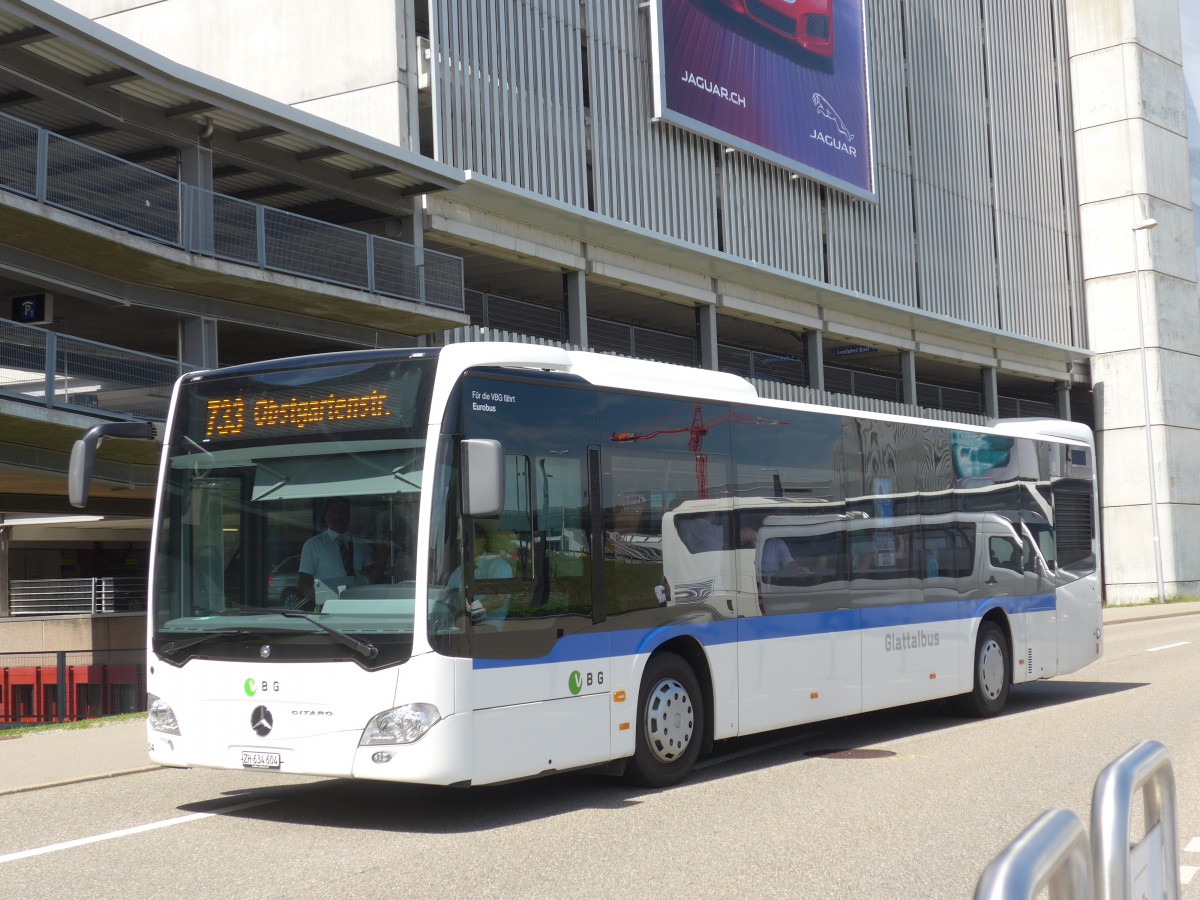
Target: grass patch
column 68, row 726
column 1153, row 601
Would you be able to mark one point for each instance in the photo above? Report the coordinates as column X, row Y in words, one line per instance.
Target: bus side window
column 1004, row 553
column 704, row 532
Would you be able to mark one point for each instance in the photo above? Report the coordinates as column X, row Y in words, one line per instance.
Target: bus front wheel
column 670, row 723
column 992, row 673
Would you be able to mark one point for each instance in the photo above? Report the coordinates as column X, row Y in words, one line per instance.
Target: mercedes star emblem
column 261, row 721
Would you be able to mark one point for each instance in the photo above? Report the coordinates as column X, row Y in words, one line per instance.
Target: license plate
column 255, row 760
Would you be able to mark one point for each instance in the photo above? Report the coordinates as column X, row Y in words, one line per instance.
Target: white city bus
column 519, row 601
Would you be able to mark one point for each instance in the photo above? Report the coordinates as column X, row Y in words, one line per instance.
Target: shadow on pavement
column 419, row 809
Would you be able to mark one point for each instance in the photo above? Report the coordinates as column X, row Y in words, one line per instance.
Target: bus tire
column 670, row 723
column 992, row 673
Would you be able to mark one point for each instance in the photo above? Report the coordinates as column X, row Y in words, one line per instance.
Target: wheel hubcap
column 991, row 670
column 669, row 720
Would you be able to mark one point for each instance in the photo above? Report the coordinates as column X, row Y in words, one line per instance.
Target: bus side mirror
column 83, row 454
column 483, row 478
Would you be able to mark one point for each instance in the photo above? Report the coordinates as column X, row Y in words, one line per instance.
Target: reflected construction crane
column 696, row 432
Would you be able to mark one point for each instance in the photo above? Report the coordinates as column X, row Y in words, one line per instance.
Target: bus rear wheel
column 992, row 673
column 670, row 723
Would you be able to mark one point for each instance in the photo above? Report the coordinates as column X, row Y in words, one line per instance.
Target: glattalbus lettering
column 910, row 640
column 717, row 90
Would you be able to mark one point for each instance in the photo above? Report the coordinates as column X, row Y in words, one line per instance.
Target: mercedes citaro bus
column 541, row 613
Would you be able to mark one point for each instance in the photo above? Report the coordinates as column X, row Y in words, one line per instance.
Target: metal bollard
column 1154, row 862
column 1051, row 853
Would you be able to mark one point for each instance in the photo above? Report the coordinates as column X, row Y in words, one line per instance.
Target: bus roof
column 624, row 373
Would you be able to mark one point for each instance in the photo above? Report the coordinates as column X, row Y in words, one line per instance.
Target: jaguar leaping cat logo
column 825, row 108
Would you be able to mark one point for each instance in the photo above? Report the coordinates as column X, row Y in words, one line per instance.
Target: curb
column 1163, row 615
column 80, row 780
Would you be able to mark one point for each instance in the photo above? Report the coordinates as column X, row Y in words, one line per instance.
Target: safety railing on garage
column 66, row 686
column 1053, row 857
column 72, row 176
column 58, row 371
column 497, row 317
column 77, row 596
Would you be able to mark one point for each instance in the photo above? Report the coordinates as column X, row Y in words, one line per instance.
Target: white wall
column 1131, row 136
column 344, row 61
column 1189, row 14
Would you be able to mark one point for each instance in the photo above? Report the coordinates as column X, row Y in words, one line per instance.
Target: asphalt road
column 909, row 803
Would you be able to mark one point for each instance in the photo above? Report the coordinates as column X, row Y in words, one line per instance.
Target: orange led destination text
column 227, row 417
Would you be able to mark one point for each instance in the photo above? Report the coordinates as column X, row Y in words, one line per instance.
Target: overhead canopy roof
column 65, row 73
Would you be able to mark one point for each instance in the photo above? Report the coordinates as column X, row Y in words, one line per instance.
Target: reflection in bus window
column 704, row 532
column 1004, row 553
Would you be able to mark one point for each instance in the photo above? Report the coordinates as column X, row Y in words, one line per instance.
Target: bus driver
column 333, row 557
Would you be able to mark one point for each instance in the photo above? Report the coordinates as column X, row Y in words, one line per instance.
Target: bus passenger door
column 1040, row 659
column 538, row 640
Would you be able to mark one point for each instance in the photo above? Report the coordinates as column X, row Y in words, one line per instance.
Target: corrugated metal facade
column 973, row 149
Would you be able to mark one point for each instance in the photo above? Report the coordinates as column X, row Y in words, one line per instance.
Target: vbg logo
column 577, row 680
column 252, row 687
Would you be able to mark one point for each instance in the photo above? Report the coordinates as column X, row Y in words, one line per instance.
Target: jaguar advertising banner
column 784, row 80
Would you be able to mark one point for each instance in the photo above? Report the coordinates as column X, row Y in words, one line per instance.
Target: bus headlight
column 401, row 725
column 161, row 716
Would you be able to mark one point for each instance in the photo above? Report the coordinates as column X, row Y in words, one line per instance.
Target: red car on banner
column 807, row 23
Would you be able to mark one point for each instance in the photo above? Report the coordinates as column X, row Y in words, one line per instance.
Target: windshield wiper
column 283, row 480
column 399, row 472
column 176, row 646
column 369, row 650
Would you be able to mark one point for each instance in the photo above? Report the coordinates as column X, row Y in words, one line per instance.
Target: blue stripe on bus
column 630, row 642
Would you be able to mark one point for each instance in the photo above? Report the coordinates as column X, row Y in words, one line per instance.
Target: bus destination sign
column 247, row 417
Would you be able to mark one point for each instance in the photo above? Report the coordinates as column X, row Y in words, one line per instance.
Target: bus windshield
column 288, row 515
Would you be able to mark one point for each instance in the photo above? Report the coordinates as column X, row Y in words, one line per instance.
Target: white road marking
column 1168, row 646
column 1186, row 873
column 126, row 832
column 1193, row 846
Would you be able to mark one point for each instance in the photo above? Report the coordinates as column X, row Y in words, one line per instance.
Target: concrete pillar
column 409, row 75
column 908, row 376
column 575, row 300
column 1129, row 113
column 991, row 393
column 195, row 171
column 1062, row 390
column 814, row 345
column 706, row 334
column 411, row 230
column 198, row 342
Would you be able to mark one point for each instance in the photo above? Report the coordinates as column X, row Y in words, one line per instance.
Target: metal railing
column 495, row 317
column 766, row 387
column 70, row 685
column 65, row 372
column 1149, row 868
column 787, row 368
column 1054, row 854
column 72, row 176
column 76, row 596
